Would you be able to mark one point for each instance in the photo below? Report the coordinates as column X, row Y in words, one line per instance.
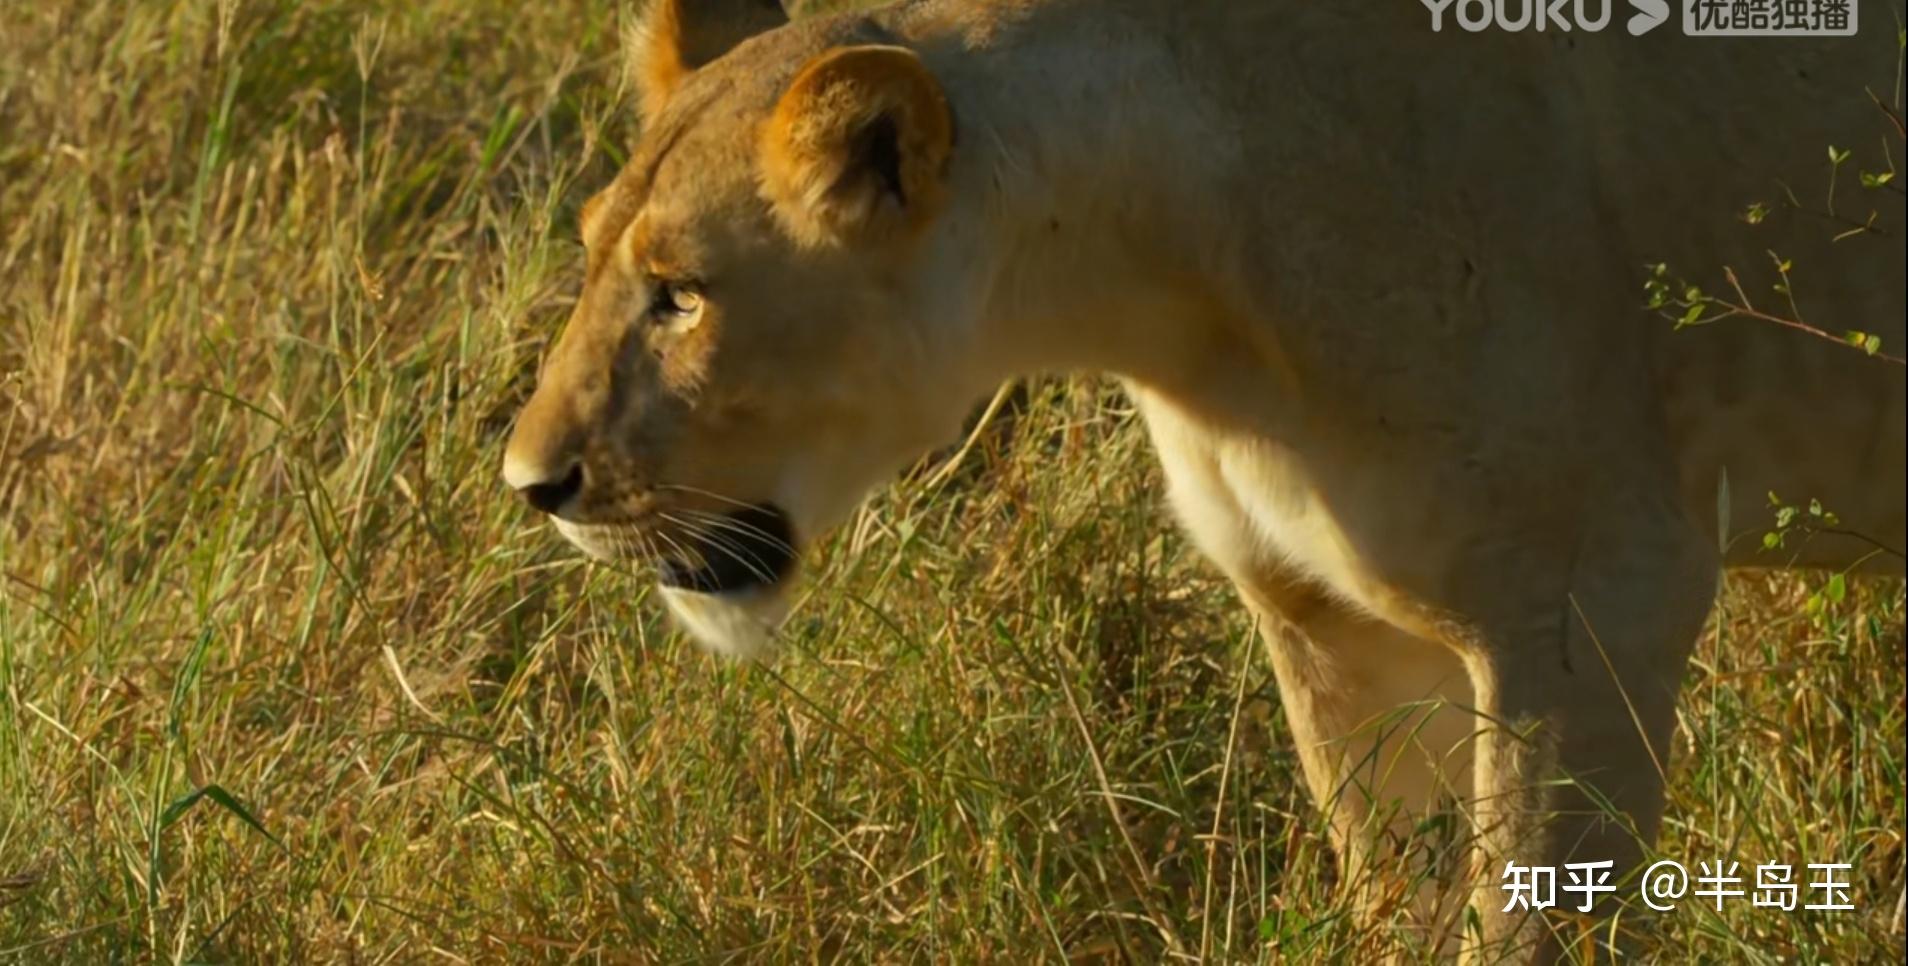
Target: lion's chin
column 736, row 623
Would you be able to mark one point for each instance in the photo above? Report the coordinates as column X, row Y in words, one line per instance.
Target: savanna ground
column 286, row 675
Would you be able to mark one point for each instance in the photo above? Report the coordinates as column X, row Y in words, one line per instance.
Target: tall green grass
column 286, row 675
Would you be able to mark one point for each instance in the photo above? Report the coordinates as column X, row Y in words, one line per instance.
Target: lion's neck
column 1102, row 188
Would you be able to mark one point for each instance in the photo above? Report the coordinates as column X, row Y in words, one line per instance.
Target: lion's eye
column 674, row 303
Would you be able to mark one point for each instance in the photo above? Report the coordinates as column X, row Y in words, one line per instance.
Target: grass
column 286, row 675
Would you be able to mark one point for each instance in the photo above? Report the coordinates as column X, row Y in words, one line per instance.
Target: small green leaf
column 1837, row 589
column 220, row 797
column 1771, row 540
column 186, row 682
column 1837, row 155
column 1690, row 315
column 1874, row 180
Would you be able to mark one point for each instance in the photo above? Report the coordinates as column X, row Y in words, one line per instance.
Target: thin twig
column 1894, row 116
column 1219, row 809
column 1144, row 885
column 1622, row 692
column 1745, row 310
column 1853, row 534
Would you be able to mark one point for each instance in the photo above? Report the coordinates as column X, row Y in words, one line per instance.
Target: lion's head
column 756, row 344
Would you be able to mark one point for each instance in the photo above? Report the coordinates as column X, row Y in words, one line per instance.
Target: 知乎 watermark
column 1700, row 18
column 1666, row 883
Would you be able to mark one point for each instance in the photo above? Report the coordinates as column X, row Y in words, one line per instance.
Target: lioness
column 1377, row 291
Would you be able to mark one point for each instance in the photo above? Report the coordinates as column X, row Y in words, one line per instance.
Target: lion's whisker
column 756, row 566
column 711, row 494
column 691, row 555
column 745, row 528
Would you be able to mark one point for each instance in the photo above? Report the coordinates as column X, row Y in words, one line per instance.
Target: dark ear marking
column 880, row 153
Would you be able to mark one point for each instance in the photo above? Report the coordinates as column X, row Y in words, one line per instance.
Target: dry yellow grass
column 273, row 276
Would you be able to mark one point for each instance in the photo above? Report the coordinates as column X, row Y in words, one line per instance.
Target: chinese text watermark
column 1667, row 883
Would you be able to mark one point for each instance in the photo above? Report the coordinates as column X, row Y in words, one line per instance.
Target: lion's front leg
column 1382, row 719
column 1385, row 732
column 1581, row 693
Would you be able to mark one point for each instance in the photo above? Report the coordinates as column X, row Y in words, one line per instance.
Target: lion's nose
column 549, row 495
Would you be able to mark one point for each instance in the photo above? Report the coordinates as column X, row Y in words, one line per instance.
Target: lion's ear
column 856, row 149
column 673, row 38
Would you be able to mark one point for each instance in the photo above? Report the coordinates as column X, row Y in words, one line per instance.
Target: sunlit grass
column 273, row 278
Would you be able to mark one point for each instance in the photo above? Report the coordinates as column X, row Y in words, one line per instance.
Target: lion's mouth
column 747, row 549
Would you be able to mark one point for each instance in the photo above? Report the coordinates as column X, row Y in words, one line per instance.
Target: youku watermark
column 1700, row 18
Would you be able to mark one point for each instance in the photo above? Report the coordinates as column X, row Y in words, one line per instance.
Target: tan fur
column 1376, row 291
column 674, row 37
